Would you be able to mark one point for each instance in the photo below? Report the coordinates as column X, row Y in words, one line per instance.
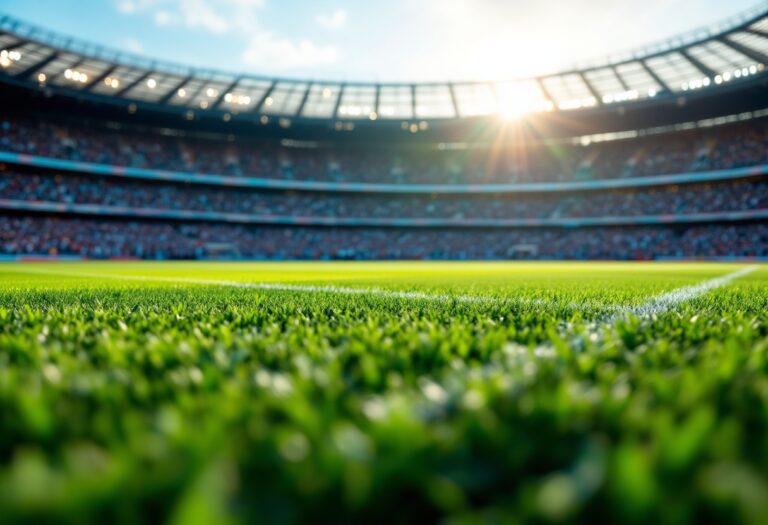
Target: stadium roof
column 705, row 59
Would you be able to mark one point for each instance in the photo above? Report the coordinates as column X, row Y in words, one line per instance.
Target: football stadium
column 228, row 296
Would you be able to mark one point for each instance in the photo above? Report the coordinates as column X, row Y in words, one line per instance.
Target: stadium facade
column 659, row 153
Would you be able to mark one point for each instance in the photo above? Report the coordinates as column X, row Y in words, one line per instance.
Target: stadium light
column 151, row 83
column 622, row 96
column 240, row 100
column 355, row 111
column 9, row 57
column 577, row 103
column 75, row 76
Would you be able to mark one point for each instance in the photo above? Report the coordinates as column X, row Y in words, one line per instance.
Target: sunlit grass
column 128, row 400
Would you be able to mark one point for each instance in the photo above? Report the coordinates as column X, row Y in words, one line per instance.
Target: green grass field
column 383, row 393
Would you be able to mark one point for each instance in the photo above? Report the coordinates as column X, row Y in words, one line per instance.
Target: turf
column 382, row 393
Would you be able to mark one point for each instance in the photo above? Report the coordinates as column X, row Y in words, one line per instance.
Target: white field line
column 522, row 356
column 332, row 289
column 665, row 302
column 655, row 306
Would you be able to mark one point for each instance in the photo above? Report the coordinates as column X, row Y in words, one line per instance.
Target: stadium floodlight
column 75, row 76
column 240, row 100
column 7, row 58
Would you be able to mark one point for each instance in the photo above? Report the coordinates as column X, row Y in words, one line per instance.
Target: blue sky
column 375, row 40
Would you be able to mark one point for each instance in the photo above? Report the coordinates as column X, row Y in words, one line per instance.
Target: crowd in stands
column 734, row 145
column 722, row 147
column 664, row 200
column 154, row 240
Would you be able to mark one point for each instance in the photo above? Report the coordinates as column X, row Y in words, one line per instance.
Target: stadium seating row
column 746, row 195
column 105, row 238
column 730, row 146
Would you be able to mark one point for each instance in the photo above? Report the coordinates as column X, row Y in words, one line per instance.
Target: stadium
column 665, row 159
column 244, row 380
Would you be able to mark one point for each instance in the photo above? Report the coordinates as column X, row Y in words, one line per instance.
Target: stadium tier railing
column 22, row 159
column 282, row 220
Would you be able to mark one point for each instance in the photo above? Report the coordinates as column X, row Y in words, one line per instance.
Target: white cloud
column 239, row 18
column 267, row 50
column 497, row 39
column 131, row 7
column 335, row 21
column 127, row 7
column 132, row 45
column 163, row 18
column 214, row 16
